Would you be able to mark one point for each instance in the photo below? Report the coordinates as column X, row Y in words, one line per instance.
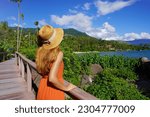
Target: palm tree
column 22, row 17
column 18, row 2
column 36, row 23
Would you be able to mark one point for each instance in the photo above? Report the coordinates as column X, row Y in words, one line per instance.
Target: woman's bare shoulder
column 59, row 56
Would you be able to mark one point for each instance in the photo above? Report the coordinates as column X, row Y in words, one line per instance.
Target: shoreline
column 86, row 52
column 130, row 54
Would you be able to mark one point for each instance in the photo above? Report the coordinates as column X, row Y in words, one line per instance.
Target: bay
column 131, row 53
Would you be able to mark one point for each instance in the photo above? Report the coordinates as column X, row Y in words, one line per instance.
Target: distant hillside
column 69, row 31
column 139, row 42
column 73, row 32
column 25, row 30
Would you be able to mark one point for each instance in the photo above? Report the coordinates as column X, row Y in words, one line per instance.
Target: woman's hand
column 70, row 87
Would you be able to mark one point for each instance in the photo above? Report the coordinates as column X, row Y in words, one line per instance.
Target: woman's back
column 46, row 89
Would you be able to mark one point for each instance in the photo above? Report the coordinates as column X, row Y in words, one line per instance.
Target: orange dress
column 47, row 91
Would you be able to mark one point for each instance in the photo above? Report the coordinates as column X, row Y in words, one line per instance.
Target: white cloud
column 42, row 22
column 77, row 6
column 78, row 21
column 104, row 32
column 133, row 36
column 12, row 18
column 83, row 23
column 15, row 25
column 106, row 7
column 107, row 32
column 109, row 27
column 145, row 35
column 86, row 6
column 24, row 24
column 72, row 11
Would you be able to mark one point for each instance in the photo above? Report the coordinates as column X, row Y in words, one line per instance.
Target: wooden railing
column 28, row 71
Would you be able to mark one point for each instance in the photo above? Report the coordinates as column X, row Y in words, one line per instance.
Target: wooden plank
column 18, row 96
column 5, row 66
column 8, row 71
column 12, row 90
column 29, row 96
column 12, row 61
column 9, row 83
column 12, row 86
column 11, row 96
column 12, row 75
column 18, row 80
column 29, row 79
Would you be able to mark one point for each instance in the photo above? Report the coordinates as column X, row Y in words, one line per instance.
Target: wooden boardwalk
column 12, row 85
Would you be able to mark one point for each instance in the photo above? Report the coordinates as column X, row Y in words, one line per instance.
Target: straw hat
column 50, row 36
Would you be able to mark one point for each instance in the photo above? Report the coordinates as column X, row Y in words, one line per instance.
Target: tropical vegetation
column 118, row 78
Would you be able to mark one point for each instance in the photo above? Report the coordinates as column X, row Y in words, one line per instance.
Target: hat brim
column 57, row 39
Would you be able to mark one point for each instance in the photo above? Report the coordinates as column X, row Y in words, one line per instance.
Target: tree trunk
column 18, row 26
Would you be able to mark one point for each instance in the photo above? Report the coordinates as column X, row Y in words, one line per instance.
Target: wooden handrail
column 75, row 93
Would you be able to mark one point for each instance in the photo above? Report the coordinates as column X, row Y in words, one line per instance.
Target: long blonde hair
column 44, row 58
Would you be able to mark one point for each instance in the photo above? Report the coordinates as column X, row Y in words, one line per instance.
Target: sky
column 123, row 20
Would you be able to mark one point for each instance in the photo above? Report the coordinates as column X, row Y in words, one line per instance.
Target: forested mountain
column 139, row 41
column 68, row 32
column 74, row 32
column 25, row 30
column 82, row 43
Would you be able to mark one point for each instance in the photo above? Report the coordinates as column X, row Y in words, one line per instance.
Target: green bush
column 123, row 73
column 117, row 62
column 29, row 52
column 110, row 87
column 72, row 67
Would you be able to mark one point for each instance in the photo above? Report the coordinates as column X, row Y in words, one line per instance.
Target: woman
column 49, row 61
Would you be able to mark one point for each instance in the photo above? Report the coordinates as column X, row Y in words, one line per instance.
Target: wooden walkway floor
column 12, row 85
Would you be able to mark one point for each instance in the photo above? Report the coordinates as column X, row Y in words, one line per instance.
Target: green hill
column 74, row 32
column 68, row 32
column 26, row 30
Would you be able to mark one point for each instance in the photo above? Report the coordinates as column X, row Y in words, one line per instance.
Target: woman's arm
column 53, row 75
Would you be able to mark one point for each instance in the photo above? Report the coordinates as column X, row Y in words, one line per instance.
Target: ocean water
column 131, row 54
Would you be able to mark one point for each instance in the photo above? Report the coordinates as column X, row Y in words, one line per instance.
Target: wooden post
column 19, row 58
column 16, row 59
column 29, row 79
column 19, row 63
column 22, row 68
